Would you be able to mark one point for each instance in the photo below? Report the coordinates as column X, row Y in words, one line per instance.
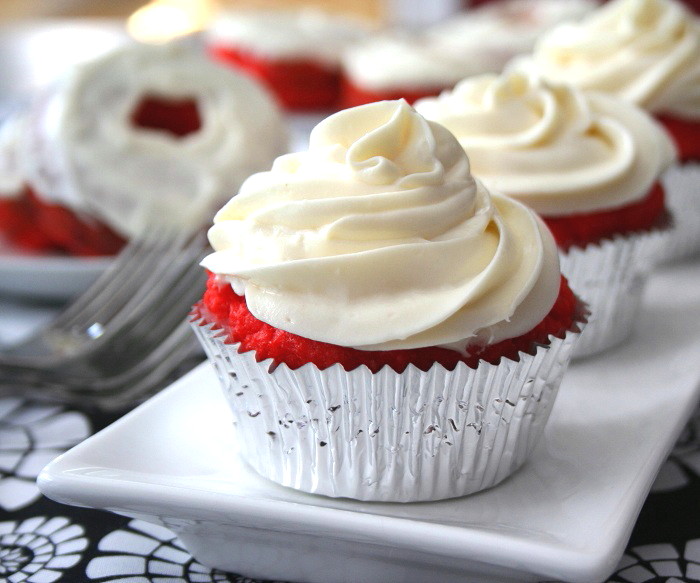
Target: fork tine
column 99, row 288
column 175, row 303
column 136, row 282
column 168, row 281
column 116, row 283
column 118, row 390
column 120, row 349
column 152, row 328
column 145, row 319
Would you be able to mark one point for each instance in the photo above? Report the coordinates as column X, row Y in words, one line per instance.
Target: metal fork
column 178, row 351
column 135, row 303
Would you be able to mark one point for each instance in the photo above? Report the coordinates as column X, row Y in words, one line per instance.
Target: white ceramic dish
column 567, row 514
column 47, row 277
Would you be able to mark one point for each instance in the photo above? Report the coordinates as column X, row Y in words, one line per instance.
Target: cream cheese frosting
column 287, row 34
column 82, row 151
column 378, row 237
column 645, row 51
column 399, row 60
column 556, row 148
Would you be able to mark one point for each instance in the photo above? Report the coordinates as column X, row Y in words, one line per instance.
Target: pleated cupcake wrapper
column 388, row 436
column 610, row 277
column 682, row 186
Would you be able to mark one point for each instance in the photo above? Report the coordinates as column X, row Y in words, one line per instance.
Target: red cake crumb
column 229, row 311
column 582, row 229
column 351, row 95
column 298, row 84
column 686, row 135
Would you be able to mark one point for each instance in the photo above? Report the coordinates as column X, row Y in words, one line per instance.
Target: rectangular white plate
column 566, row 515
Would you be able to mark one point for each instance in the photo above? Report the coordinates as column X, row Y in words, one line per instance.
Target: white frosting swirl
column 556, row 148
column 82, row 151
column 645, row 51
column 286, row 34
column 378, row 237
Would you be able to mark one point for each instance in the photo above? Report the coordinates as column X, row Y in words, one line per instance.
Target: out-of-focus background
column 41, row 38
column 380, row 11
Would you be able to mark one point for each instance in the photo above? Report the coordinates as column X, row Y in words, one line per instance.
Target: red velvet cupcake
column 648, row 53
column 589, row 164
column 384, row 328
column 400, row 66
column 142, row 138
column 295, row 54
column 681, row 184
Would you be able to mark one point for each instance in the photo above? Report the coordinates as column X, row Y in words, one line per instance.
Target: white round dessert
column 83, row 149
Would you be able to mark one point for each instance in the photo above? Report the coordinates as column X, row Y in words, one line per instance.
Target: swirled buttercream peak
column 645, row 51
column 378, row 237
column 557, row 148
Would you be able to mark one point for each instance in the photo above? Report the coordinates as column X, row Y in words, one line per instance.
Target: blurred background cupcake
column 294, row 53
column 383, row 327
column 647, row 52
column 411, row 62
column 400, row 64
column 493, row 33
column 144, row 137
column 589, row 164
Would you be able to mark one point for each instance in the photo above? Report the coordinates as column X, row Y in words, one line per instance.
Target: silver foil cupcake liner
column 682, row 187
column 610, row 277
column 414, row 436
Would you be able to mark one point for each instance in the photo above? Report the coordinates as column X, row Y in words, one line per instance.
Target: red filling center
column 178, row 117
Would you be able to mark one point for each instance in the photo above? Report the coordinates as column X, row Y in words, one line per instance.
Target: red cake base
column 299, row 85
column 351, row 95
column 229, row 311
column 18, row 225
column 583, row 229
column 686, row 135
column 30, row 223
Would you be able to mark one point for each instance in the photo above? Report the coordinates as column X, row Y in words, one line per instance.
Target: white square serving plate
column 566, row 515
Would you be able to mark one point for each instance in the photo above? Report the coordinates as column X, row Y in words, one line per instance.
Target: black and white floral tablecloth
column 42, row 541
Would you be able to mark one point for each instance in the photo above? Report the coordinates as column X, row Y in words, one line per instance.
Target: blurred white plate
column 47, row 277
column 567, row 514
